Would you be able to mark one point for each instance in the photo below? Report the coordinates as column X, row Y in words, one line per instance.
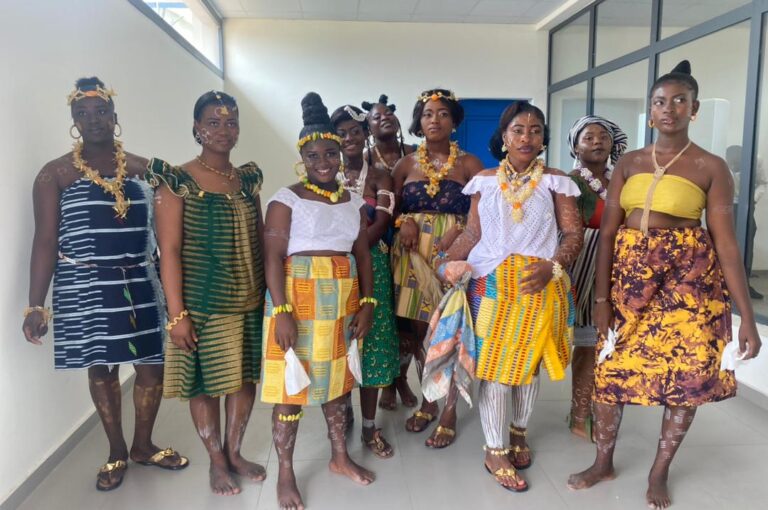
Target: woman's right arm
column 613, row 218
column 469, row 237
column 169, row 222
column 277, row 231
column 45, row 200
column 408, row 230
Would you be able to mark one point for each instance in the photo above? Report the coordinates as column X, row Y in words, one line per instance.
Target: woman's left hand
column 537, row 276
column 361, row 322
column 749, row 340
column 448, row 238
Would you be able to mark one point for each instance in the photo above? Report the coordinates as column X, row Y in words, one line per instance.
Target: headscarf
column 618, row 137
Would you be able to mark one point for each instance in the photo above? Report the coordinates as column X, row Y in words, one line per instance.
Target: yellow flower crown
column 100, row 91
column 317, row 136
column 436, row 96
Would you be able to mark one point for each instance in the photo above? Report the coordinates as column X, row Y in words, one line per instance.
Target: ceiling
column 417, row 11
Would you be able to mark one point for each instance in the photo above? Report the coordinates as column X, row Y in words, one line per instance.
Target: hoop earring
column 78, row 133
column 651, row 124
column 300, row 172
column 117, row 127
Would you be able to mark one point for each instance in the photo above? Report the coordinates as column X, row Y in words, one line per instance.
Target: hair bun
column 684, row 67
column 313, row 111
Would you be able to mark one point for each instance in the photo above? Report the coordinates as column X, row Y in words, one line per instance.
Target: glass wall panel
column 570, row 47
column 757, row 222
column 679, row 15
column 621, row 96
column 194, row 22
column 565, row 106
column 622, row 27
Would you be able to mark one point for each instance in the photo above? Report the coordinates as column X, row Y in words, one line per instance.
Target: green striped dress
column 223, row 284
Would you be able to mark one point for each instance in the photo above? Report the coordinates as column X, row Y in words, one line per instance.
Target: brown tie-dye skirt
column 673, row 318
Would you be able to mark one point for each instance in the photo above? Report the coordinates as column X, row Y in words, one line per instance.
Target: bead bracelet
column 371, row 300
column 290, row 417
column 557, row 269
column 172, row 324
column 284, row 308
column 43, row 310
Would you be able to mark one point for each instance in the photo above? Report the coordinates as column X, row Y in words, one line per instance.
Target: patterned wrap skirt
column 673, row 320
column 380, row 353
column 582, row 273
column 515, row 332
column 410, row 302
column 324, row 293
column 228, row 355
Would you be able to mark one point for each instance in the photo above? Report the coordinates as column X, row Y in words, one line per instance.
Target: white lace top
column 320, row 226
column 535, row 236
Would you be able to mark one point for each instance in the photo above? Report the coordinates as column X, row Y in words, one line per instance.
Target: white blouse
column 320, row 226
column 500, row 236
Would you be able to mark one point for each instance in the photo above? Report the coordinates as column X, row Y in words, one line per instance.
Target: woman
column 596, row 144
column 388, row 148
column 317, row 250
column 671, row 312
column 433, row 211
column 380, row 355
column 210, row 232
column 93, row 235
column 519, row 295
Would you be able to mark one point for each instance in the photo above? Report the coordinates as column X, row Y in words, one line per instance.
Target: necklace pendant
column 334, row 197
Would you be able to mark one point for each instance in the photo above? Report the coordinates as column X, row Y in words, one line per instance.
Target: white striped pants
column 493, row 408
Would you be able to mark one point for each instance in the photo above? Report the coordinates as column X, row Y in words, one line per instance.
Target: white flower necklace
column 359, row 186
column 594, row 183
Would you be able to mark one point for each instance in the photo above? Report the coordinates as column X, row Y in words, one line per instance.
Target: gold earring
column 543, row 148
column 651, row 124
column 78, row 132
column 504, row 147
column 117, row 127
column 693, row 118
column 300, row 172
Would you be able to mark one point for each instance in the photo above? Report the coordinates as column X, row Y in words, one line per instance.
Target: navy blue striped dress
column 107, row 298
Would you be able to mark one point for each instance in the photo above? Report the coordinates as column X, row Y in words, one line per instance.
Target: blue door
column 481, row 118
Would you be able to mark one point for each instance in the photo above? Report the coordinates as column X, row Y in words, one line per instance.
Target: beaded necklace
column 113, row 187
column 594, row 183
column 333, row 196
column 518, row 187
column 428, row 169
column 359, row 186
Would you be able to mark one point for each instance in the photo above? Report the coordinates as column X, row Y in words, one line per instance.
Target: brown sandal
column 110, row 472
column 427, row 418
column 378, row 445
column 157, row 460
column 508, row 473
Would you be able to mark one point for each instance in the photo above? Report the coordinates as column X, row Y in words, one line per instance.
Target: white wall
column 271, row 64
column 45, row 45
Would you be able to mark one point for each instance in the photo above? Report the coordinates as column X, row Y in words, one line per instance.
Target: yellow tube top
column 674, row 195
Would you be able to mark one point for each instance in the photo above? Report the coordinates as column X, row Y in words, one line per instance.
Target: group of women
column 173, row 269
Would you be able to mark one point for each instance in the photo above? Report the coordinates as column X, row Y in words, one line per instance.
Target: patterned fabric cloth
column 449, row 199
column 515, row 331
column 380, row 353
column 106, row 293
column 410, row 301
column 582, row 273
column 324, row 293
column 222, row 284
column 451, row 355
column 618, row 137
column 673, row 319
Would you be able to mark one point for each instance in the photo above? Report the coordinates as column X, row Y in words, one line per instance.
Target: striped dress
column 222, row 284
column 106, row 294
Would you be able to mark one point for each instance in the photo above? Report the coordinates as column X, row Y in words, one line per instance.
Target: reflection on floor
column 722, row 464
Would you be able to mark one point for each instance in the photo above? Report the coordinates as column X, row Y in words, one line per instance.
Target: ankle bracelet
column 291, row 417
column 516, row 431
column 498, row 452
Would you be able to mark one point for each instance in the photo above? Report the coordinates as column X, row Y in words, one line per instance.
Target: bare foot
column 658, row 494
column 590, row 477
column 579, row 430
column 345, row 466
column 406, row 395
column 222, row 482
column 250, row 470
column 288, row 496
column 387, row 401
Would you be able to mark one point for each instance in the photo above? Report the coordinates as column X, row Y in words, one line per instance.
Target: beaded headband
column 100, row 91
column 317, row 136
column 357, row 117
column 436, row 96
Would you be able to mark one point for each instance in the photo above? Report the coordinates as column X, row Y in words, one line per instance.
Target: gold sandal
column 378, row 445
column 508, row 473
column 109, row 469
column 420, row 415
column 518, row 450
column 157, row 458
column 441, row 431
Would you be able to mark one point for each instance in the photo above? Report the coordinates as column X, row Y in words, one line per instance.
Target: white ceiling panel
column 417, row 11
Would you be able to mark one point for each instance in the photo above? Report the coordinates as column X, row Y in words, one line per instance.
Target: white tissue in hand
column 296, row 378
column 732, row 356
column 608, row 347
column 353, row 361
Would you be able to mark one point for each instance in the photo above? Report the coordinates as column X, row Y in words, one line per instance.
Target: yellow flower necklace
column 518, row 187
column 113, row 187
column 429, row 171
column 333, row 196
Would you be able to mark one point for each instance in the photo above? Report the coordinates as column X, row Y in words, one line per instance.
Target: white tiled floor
column 722, row 464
